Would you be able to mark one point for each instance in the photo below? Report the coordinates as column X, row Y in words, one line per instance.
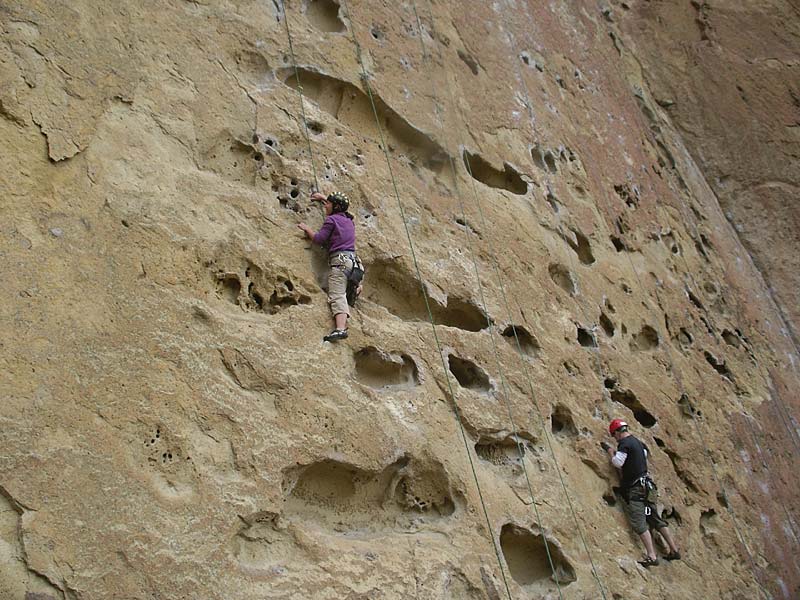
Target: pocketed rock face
column 173, row 425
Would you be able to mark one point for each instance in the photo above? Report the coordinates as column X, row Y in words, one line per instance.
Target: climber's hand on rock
column 317, row 196
column 305, row 229
column 605, row 446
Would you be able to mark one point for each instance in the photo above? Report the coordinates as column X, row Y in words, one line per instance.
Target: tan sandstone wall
column 171, row 424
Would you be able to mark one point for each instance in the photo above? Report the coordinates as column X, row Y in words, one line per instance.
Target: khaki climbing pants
column 341, row 264
column 642, row 511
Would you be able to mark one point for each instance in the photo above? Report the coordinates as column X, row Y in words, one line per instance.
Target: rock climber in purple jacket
column 338, row 234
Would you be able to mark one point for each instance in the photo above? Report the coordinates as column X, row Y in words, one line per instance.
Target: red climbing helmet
column 616, row 424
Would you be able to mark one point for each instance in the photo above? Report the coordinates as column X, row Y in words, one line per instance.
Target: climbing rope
column 490, row 325
column 299, row 93
column 532, row 394
column 699, row 435
column 679, row 380
column 384, row 146
column 676, row 374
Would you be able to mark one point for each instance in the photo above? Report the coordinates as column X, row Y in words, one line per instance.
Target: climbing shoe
column 335, row 335
column 649, row 562
column 673, row 556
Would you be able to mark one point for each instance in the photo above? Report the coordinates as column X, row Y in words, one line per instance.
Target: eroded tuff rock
column 172, row 425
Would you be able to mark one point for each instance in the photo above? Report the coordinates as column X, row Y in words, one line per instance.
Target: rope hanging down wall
column 299, row 93
column 526, row 370
column 490, row 325
column 679, row 381
column 457, row 413
column 699, row 436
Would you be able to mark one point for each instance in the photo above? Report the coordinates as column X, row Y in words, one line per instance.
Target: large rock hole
column 629, row 400
column 343, row 497
column 562, row 277
column 229, row 287
column 324, row 15
column 527, row 341
column 526, row 557
column 351, row 106
column 501, row 452
column 586, row 338
column 396, row 289
column 561, row 421
column 382, row 370
column 580, row 245
column 508, row 179
column 469, row 375
column 646, row 339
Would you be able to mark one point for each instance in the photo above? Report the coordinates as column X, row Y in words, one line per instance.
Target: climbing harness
column 354, row 278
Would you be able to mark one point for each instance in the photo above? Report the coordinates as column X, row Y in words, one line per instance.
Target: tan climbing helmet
column 339, row 201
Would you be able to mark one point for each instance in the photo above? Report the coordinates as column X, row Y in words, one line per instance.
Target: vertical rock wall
column 173, row 425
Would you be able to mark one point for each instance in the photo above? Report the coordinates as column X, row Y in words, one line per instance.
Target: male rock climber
column 338, row 234
column 639, row 491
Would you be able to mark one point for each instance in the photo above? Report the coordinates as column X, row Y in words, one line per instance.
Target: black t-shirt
column 635, row 465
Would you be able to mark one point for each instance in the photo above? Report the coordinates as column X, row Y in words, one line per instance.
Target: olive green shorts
column 637, row 509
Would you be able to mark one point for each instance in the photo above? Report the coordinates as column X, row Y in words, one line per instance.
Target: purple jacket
column 338, row 233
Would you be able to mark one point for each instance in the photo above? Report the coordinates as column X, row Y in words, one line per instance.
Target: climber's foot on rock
column 648, row 562
column 335, row 335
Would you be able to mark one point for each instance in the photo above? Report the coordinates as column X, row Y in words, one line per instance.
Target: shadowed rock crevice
column 469, row 375
column 351, row 106
column 646, row 339
column 586, row 337
column 561, row 421
column 628, row 399
column 508, row 179
column 607, row 325
column 562, row 278
column 527, row 341
column 397, row 290
column 324, row 15
column 345, row 498
column 719, row 365
column 526, row 556
column 580, row 245
column 384, row 370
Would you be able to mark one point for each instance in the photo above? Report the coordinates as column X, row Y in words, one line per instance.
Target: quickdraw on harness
column 650, row 492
